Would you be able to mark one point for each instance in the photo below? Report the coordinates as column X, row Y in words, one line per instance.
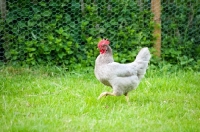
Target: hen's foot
column 105, row 94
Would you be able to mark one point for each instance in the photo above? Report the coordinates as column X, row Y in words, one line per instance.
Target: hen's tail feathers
column 141, row 62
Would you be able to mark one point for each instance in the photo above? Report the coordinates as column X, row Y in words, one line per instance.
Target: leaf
column 33, row 35
column 31, row 23
column 58, row 40
column 10, row 19
column 50, row 37
column 67, row 17
column 21, row 24
column 60, row 55
column 46, row 13
column 36, row 9
column 69, row 43
column 89, row 39
column 59, row 17
column 37, row 17
column 31, row 49
column 70, row 52
column 42, row 3
column 67, row 36
column 60, row 30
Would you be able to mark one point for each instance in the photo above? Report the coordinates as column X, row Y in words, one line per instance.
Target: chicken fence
column 67, row 31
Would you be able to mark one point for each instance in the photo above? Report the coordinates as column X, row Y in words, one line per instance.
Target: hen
column 122, row 78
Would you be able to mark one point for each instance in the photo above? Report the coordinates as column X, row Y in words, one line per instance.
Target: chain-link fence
column 67, row 31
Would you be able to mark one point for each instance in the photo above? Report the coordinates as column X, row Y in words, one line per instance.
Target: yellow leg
column 127, row 98
column 105, row 94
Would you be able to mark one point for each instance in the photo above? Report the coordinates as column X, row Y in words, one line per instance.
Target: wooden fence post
column 156, row 9
column 3, row 9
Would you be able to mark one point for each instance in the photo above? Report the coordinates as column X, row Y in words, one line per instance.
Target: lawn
column 51, row 99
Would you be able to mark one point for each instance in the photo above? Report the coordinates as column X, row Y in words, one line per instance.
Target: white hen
column 122, row 78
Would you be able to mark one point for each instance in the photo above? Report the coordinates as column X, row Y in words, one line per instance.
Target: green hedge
column 180, row 32
column 66, row 32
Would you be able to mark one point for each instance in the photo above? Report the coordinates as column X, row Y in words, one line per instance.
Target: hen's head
column 103, row 45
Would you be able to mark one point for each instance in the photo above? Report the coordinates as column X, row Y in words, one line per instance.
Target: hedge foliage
column 180, row 32
column 66, row 32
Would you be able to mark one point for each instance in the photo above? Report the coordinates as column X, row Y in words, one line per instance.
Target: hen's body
column 122, row 78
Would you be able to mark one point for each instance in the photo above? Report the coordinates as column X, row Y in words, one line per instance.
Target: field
column 55, row 100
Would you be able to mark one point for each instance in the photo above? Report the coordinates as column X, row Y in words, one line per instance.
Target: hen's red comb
column 103, row 41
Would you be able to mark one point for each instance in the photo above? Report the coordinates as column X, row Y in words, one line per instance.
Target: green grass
column 52, row 99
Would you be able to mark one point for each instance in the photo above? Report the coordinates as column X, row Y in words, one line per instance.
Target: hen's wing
column 122, row 70
column 122, row 77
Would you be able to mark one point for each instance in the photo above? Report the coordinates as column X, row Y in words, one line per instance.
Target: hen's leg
column 105, row 94
column 127, row 98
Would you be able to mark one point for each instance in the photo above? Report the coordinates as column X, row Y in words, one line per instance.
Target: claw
column 105, row 94
column 102, row 94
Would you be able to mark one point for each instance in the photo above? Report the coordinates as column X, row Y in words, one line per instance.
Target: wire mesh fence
column 66, row 32
column 180, row 24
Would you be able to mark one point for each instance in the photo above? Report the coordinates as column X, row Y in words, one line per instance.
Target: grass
column 52, row 99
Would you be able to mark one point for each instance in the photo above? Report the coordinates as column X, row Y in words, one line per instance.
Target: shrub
column 68, row 32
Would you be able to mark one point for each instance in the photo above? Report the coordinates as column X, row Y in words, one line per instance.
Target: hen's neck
column 107, row 57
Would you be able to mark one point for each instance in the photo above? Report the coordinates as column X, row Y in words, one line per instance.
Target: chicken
column 122, row 78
